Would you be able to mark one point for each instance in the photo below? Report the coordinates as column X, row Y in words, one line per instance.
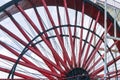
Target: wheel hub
column 77, row 74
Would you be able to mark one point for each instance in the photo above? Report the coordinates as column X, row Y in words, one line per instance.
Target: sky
column 2, row 2
column 2, row 38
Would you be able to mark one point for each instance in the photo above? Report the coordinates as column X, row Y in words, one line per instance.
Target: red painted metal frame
column 56, row 56
column 66, row 58
column 81, row 35
column 68, row 63
column 18, row 74
column 103, row 54
column 102, row 67
column 73, row 60
column 91, row 38
column 43, row 71
column 32, row 49
column 18, row 26
column 15, row 53
column 43, row 29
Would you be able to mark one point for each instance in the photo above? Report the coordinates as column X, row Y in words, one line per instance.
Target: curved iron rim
column 98, row 7
column 7, row 5
column 88, row 2
column 40, row 34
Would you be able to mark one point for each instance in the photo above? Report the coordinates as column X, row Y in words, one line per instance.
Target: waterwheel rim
column 56, row 43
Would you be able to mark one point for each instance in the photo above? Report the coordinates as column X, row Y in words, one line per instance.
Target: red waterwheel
column 56, row 39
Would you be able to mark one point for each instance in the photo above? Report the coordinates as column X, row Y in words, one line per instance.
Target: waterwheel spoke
column 36, row 51
column 15, row 53
column 70, row 34
column 101, row 57
column 56, row 32
column 91, row 38
column 86, row 39
column 56, row 39
column 44, row 72
column 56, row 56
column 91, row 57
column 103, row 54
column 16, row 73
column 81, row 34
column 108, row 64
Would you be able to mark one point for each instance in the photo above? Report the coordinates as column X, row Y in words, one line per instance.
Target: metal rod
column 17, row 74
column 103, row 55
column 100, row 69
column 90, row 58
column 91, row 39
column 87, row 36
column 105, row 39
column 115, row 29
column 81, row 34
column 15, row 53
column 112, row 37
column 30, row 48
column 57, row 33
column 113, row 50
column 109, row 5
column 73, row 59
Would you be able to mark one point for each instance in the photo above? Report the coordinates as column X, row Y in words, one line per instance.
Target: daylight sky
column 2, row 2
